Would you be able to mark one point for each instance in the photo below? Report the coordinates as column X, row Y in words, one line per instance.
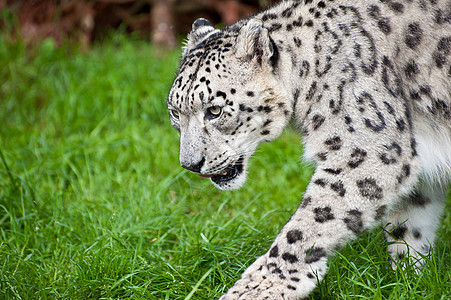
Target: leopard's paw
column 265, row 288
column 264, row 284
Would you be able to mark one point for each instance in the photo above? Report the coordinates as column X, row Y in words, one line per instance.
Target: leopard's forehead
column 202, row 69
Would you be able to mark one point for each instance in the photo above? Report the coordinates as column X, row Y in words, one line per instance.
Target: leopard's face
column 224, row 105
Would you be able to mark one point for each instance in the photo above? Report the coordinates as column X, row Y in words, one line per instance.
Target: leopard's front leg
column 339, row 204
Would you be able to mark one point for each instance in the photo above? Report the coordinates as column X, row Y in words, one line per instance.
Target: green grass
column 94, row 204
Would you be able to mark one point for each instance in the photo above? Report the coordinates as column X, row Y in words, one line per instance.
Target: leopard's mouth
column 229, row 173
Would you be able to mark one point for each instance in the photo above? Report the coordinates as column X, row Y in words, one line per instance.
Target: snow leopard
column 368, row 84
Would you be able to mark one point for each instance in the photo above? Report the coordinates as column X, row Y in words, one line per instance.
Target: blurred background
column 84, row 21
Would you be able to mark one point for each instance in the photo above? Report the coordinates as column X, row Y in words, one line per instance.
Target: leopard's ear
column 201, row 28
column 253, row 42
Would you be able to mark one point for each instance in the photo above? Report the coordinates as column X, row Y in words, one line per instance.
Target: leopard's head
column 226, row 99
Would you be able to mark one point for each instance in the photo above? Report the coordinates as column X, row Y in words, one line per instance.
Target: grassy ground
column 94, row 204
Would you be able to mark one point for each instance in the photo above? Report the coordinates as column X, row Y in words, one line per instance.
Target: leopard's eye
column 214, row 112
column 175, row 114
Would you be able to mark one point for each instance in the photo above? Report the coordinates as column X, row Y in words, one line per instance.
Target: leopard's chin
column 232, row 178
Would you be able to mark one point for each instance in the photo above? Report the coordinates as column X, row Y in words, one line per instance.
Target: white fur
column 434, row 149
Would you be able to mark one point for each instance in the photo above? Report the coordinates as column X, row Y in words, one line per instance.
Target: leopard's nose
column 193, row 166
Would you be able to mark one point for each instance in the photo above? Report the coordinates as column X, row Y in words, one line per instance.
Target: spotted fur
column 368, row 83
